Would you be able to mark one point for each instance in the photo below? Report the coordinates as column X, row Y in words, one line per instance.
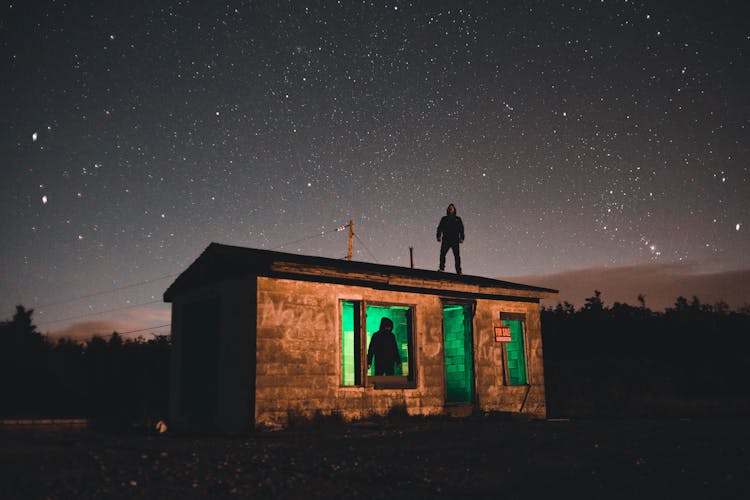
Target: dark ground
column 476, row 457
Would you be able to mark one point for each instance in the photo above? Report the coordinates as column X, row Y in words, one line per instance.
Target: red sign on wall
column 502, row 334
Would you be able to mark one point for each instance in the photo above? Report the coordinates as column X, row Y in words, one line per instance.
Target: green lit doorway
column 459, row 359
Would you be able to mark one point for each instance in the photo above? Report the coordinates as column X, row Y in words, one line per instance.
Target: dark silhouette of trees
column 113, row 380
column 619, row 361
column 629, row 360
column 642, row 300
column 23, row 352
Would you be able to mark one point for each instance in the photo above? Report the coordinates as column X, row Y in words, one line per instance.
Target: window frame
column 361, row 378
column 356, row 342
column 515, row 316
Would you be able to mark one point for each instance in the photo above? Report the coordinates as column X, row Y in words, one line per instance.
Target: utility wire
column 132, row 331
column 316, row 235
column 132, row 285
column 96, row 313
column 144, row 329
column 153, row 280
column 368, row 250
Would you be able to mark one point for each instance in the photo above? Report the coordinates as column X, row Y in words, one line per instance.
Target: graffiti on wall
column 306, row 312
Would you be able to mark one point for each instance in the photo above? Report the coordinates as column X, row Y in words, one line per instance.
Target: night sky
column 582, row 135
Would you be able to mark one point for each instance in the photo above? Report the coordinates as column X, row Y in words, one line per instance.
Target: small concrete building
column 261, row 336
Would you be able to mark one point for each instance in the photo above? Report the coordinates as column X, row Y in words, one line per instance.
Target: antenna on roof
column 351, row 237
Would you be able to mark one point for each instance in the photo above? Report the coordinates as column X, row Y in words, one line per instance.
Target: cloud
column 660, row 284
column 86, row 329
column 141, row 319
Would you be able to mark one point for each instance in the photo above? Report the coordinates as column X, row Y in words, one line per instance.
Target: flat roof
column 220, row 263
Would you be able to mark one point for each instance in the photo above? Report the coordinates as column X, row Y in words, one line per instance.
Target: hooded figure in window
column 383, row 347
column 451, row 232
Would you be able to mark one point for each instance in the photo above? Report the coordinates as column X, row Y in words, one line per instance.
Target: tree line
column 598, row 361
column 109, row 380
column 628, row 360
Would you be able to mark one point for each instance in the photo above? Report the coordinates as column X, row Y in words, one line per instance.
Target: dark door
column 200, row 358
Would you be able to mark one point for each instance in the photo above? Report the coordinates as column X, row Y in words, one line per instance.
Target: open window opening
column 351, row 372
column 514, row 351
column 377, row 345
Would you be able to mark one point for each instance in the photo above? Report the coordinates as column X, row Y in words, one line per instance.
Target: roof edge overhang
column 218, row 263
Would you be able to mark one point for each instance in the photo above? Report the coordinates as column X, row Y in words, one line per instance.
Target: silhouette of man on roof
column 450, row 232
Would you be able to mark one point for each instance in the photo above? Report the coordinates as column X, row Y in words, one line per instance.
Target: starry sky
column 572, row 136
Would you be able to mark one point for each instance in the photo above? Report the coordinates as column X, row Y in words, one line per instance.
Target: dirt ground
column 475, row 457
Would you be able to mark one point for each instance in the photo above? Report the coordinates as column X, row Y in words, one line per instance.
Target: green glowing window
column 515, row 352
column 351, row 373
column 387, row 361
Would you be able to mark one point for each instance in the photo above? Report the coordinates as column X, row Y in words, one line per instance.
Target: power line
column 144, row 329
column 316, row 235
column 135, row 331
column 97, row 313
column 368, row 250
column 153, row 280
column 94, row 294
column 132, row 331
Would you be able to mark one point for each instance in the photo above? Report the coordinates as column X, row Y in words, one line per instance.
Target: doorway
column 458, row 349
column 199, row 387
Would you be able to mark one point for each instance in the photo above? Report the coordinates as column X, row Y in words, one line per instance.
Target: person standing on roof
column 450, row 232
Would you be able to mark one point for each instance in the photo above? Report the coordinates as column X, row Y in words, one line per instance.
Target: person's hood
column 385, row 322
column 448, row 212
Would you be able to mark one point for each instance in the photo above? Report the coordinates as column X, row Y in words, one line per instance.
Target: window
column 514, row 352
column 350, row 357
column 394, row 362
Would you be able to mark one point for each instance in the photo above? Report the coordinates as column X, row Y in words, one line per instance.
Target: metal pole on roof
column 351, row 240
column 411, row 256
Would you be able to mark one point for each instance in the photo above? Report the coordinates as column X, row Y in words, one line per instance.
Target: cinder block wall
column 493, row 393
column 298, row 355
column 236, row 350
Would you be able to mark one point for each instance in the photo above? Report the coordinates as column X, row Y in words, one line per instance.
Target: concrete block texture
column 298, row 355
column 258, row 340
